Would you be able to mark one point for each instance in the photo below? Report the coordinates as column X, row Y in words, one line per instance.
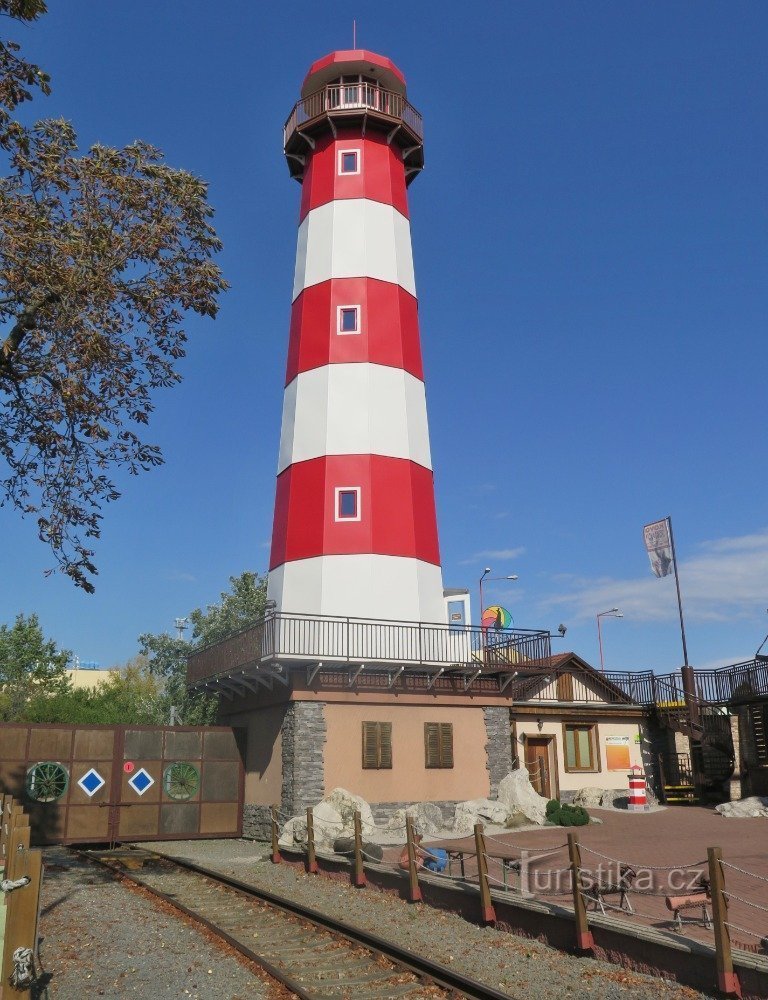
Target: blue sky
column 591, row 252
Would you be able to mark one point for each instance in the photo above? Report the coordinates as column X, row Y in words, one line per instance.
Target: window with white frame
column 347, row 503
column 349, row 161
column 347, row 319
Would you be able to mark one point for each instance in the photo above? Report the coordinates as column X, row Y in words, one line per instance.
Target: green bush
column 566, row 815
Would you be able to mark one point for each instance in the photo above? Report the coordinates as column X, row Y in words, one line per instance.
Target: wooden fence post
column 584, row 939
column 22, row 907
column 276, row 859
column 5, row 825
column 311, row 859
column 727, row 979
column 358, row 873
column 414, row 889
column 487, row 912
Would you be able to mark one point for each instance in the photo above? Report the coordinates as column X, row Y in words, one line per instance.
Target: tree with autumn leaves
column 103, row 252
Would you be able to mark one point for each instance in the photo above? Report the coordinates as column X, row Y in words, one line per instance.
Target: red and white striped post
column 637, row 790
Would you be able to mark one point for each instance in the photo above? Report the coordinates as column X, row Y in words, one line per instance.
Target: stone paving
column 667, row 847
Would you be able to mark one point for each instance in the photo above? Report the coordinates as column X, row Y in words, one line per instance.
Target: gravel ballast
column 102, row 938
column 517, row 965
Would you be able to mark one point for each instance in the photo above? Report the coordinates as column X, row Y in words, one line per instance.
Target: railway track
column 314, row 956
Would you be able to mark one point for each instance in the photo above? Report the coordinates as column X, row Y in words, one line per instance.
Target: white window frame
column 340, row 162
column 337, row 502
column 348, row 333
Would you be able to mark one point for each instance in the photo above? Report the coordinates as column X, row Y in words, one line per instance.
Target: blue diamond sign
column 91, row 782
column 141, row 781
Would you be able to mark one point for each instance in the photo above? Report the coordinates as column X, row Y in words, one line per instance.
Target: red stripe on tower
column 378, row 175
column 349, row 320
column 355, row 530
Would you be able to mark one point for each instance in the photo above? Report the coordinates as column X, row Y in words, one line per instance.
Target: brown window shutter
column 377, row 745
column 431, row 744
column 446, row 744
column 438, row 744
column 385, row 744
column 370, row 745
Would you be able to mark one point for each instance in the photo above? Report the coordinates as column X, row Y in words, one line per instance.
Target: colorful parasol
column 496, row 617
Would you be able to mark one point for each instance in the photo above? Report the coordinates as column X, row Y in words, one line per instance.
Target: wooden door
column 538, row 763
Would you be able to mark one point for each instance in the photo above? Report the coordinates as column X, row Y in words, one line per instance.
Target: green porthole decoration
column 47, row 781
column 181, row 780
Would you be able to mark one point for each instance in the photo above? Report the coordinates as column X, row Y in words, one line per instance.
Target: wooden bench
column 697, row 897
column 597, row 892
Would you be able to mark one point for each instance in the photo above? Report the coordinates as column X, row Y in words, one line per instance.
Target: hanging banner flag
column 659, row 547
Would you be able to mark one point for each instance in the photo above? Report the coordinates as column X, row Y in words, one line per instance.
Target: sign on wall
column 617, row 753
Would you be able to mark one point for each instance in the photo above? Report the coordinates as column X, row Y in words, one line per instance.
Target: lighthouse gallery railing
column 339, row 98
column 303, row 638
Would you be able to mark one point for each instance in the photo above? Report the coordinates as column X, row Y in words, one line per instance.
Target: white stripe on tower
column 355, row 530
column 388, row 408
column 345, row 239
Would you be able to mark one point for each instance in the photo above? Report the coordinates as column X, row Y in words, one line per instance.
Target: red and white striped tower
column 355, row 531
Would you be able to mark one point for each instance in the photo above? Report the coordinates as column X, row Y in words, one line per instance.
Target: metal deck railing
column 729, row 685
column 339, row 99
column 295, row 639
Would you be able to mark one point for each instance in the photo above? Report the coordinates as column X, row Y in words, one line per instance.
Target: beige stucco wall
column 408, row 779
column 82, row 678
column 553, row 726
column 263, row 759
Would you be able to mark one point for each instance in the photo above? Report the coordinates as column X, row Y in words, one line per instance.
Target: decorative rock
column 427, row 819
column 333, row 817
column 346, row 805
column 755, row 805
column 591, row 797
column 294, row 833
column 478, row 811
column 520, row 797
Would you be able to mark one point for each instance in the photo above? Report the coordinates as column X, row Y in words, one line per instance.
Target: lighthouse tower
column 355, row 531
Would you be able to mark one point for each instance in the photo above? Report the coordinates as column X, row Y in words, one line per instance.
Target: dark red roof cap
column 353, row 61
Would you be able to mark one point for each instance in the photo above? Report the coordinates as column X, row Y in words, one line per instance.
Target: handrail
column 360, row 640
column 340, row 97
column 722, row 686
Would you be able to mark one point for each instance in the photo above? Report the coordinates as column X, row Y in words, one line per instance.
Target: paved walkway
column 667, row 848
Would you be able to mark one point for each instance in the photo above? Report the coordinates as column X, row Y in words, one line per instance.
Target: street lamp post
column 486, row 571
column 610, row 613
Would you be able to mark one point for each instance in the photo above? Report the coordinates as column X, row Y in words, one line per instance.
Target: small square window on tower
column 349, row 161
column 347, row 503
column 348, row 319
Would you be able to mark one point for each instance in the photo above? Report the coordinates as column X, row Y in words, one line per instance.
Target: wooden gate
column 97, row 784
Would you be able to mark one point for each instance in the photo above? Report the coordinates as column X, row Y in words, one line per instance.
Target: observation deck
column 269, row 650
column 362, row 105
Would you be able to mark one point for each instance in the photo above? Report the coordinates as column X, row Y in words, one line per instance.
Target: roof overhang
column 349, row 62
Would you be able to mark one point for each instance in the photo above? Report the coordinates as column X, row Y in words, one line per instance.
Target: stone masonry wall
column 735, row 785
column 383, row 811
column 303, row 739
column 498, row 749
column 257, row 823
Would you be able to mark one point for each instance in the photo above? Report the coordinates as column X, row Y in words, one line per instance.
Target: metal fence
column 734, row 684
column 296, row 638
column 338, row 98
